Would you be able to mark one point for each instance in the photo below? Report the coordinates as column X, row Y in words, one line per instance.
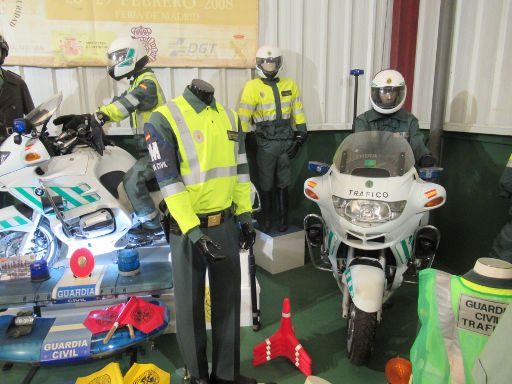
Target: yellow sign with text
column 184, row 33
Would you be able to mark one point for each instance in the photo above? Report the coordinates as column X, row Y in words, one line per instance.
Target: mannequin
column 490, row 272
column 203, row 90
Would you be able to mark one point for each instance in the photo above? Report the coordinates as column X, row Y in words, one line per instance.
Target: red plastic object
column 102, row 320
column 283, row 343
column 82, row 262
column 144, row 316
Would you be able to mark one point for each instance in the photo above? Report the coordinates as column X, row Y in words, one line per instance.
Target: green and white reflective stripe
column 244, row 178
column 15, row 221
column 28, row 193
column 348, row 277
column 248, row 107
column 195, row 176
column 132, row 100
column 74, row 196
column 298, row 111
column 285, row 104
column 269, row 106
column 259, row 119
column 298, row 99
column 509, row 164
column 247, row 119
column 448, row 330
column 403, row 250
column 172, row 189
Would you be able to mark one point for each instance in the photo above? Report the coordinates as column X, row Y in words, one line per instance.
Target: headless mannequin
column 203, row 90
column 495, row 273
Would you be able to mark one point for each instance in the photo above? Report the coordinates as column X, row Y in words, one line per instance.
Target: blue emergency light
column 316, row 166
column 39, row 271
column 20, row 125
column 357, row 72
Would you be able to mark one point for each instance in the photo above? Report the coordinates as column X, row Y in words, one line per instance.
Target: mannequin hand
column 247, row 235
column 427, row 161
column 292, row 151
column 97, row 136
column 210, row 249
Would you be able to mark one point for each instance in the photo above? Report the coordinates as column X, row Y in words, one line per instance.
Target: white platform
column 279, row 252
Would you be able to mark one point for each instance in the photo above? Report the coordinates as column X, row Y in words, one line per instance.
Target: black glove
column 71, row 121
column 299, row 139
column 247, row 235
column 427, row 161
column 97, row 136
column 210, row 249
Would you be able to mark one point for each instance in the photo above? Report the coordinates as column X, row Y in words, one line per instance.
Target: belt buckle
column 214, row 220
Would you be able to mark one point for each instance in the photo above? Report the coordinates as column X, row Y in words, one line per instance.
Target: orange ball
column 398, row 370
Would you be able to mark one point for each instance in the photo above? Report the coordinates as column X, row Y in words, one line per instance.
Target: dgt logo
column 153, row 151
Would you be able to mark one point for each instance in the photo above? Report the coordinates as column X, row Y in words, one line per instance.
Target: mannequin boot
column 266, row 206
column 282, row 202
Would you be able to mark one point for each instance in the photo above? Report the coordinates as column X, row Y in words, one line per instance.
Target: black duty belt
column 213, row 219
column 207, row 220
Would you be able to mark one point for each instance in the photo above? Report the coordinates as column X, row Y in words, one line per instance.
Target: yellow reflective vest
column 457, row 317
column 213, row 170
column 140, row 100
column 268, row 104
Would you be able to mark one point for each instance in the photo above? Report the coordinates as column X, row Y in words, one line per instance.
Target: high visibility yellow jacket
column 457, row 317
column 142, row 97
column 272, row 105
column 198, row 155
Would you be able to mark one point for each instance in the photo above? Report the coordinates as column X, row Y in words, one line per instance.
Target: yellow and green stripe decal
column 74, row 196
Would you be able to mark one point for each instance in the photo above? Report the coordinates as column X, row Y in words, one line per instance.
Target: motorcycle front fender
column 366, row 286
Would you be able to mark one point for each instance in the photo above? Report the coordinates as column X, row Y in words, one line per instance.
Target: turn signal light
column 311, row 194
column 32, row 156
column 434, row 202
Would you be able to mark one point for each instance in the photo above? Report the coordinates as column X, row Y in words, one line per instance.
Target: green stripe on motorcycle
column 67, row 196
column 80, row 192
column 28, row 196
column 406, row 249
column 20, row 220
column 5, row 224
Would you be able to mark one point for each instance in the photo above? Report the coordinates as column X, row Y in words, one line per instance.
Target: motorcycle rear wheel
column 361, row 327
column 45, row 244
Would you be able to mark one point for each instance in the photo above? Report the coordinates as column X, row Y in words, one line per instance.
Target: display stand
column 280, row 251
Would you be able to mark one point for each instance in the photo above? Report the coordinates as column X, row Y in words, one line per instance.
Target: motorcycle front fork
column 26, row 243
column 345, row 304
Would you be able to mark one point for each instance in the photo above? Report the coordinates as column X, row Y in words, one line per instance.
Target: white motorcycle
column 70, row 193
column 373, row 205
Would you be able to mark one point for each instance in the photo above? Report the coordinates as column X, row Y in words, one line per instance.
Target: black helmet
column 4, row 49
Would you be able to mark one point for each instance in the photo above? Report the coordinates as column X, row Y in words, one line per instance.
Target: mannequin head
column 4, row 50
column 495, row 273
column 203, row 90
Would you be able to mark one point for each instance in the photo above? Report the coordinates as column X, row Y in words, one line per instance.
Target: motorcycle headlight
column 365, row 213
column 4, row 156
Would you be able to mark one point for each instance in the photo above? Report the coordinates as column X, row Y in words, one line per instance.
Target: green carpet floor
column 316, row 315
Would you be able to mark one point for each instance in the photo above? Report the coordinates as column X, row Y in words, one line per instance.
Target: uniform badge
column 198, row 136
column 286, row 93
column 262, row 94
column 233, row 136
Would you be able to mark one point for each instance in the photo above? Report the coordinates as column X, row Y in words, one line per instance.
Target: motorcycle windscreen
column 374, row 154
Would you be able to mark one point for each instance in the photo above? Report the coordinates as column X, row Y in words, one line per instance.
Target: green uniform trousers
column 273, row 163
column 189, row 272
column 135, row 183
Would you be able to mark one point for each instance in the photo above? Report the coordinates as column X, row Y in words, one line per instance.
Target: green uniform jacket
column 15, row 100
column 401, row 121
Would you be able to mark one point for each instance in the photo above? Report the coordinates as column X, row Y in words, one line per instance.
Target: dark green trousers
column 135, row 184
column 273, row 163
column 502, row 246
column 189, row 272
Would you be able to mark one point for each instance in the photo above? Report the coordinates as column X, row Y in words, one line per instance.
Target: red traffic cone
column 283, row 343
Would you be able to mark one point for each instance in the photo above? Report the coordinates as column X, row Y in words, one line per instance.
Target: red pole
column 403, row 42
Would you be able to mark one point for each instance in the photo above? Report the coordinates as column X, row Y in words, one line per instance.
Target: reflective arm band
column 173, row 189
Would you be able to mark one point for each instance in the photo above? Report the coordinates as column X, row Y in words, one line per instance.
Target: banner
column 176, row 33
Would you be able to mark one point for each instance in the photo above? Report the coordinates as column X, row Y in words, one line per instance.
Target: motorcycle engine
column 93, row 224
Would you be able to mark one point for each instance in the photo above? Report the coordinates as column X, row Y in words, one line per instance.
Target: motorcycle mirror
column 17, row 139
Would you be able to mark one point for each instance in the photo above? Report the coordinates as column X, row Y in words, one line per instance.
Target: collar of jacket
column 196, row 103
column 373, row 115
column 275, row 80
column 2, row 73
column 134, row 76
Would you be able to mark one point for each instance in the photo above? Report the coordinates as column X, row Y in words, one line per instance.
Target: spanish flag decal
column 148, row 136
column 311, row 184
column 143, row 86
column 430, row 194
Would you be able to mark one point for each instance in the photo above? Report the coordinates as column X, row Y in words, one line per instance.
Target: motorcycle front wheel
column 44, row 244
column 361, row 327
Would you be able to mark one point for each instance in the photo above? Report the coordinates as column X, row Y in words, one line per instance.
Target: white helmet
column 126, row 55
column 388, row 91
column 269, row 61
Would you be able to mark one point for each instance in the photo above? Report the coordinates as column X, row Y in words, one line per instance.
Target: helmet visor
column 117, row 57
column 387, row 97
column 269, row 65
